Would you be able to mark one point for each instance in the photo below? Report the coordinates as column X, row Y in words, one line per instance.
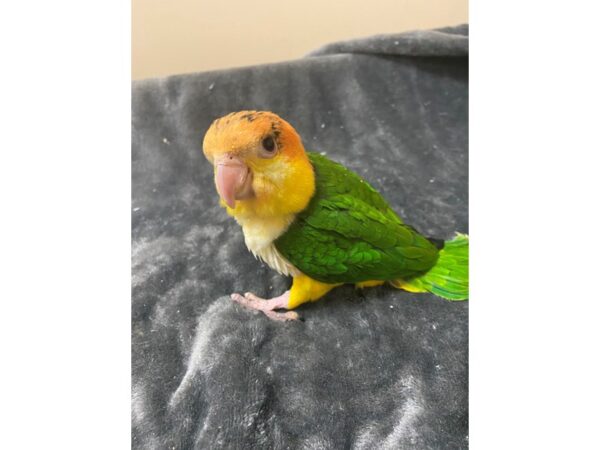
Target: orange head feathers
column 260, row 166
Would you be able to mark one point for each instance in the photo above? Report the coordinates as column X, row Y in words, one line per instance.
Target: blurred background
column 179, row 36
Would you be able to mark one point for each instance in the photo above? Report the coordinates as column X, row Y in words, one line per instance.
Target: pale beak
column 233, row 179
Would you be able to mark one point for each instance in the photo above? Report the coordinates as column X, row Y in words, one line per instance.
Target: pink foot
column 269, row 306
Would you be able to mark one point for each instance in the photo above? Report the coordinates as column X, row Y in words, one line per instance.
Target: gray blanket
column 377, row 368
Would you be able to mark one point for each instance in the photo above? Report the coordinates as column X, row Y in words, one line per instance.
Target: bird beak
column 233, row 179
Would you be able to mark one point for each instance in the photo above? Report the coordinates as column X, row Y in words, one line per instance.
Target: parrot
column 311, row 218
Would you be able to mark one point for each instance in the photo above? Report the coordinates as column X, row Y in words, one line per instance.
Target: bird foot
column 267, row 306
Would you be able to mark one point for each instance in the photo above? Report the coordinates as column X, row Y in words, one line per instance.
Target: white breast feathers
column 260, row 235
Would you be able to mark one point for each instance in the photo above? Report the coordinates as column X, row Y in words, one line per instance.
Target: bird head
column 260, row 166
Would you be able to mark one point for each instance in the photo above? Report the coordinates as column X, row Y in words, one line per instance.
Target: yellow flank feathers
column 305, row 289
column 405, row 285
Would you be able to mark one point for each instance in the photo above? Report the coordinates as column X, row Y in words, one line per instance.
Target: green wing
column 348, row 233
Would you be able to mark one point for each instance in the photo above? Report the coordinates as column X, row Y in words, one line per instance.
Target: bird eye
column 268, row 144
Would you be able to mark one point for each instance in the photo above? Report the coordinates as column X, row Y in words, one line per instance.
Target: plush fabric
column 378, row 368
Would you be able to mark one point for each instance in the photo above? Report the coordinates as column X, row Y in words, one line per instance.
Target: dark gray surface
column 379, row 368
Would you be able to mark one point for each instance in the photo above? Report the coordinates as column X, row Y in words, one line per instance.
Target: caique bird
column 311, row 218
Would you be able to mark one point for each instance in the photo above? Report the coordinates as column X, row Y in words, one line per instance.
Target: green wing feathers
column 449, row 278
column 348, row 234
column 345, row 241
column 334, row 180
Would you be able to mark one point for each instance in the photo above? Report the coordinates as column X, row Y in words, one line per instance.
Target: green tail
column 449, row 278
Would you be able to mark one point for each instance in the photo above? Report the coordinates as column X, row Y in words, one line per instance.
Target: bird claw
column 268, row 307
column 287, row 316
